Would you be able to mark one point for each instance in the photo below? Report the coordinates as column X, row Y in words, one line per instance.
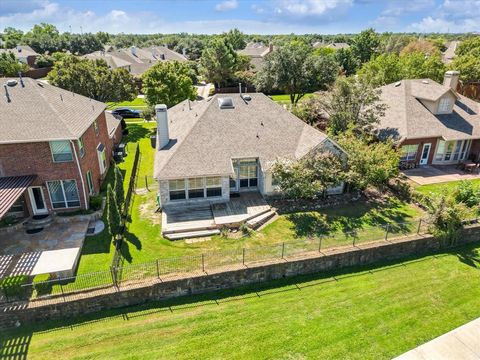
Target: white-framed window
column 196, row 188
column 91, row 188
column 81, row 147
column 444, row 105
column 214, row 186
column 63, row 194
column 61, row 151
column 248, row 173
column 95, row 127
column 102, row 159
column 408, row 152
column 177, row 189
column 452, row 150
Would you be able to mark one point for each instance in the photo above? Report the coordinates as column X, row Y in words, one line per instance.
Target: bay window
column 63, row 194
column 61, row 151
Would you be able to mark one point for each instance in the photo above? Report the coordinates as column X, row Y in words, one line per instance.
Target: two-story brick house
column 55, row 148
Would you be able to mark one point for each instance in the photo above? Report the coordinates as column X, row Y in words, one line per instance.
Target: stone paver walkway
column 461, row 343
column 438, row 174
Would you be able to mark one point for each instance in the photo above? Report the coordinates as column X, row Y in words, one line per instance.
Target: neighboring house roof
column 21, row 51
column 339, row 45
column 112, row 123
column 449, row 53
column 138, row 60
column 407, row 118
column 203, row 140
column 42, row 112
column 257, row 53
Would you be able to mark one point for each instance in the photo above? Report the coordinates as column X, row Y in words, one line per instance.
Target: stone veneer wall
column 15, row 314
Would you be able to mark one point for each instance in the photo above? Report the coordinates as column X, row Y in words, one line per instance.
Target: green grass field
column 363, row 313
column 137, row 103
column 437, row 189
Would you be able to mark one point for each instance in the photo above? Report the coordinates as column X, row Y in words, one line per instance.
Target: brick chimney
column 450, row 79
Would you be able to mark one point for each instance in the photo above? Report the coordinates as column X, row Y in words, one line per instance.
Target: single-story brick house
column 431, row 122
column 209, row 150
column 55, row 148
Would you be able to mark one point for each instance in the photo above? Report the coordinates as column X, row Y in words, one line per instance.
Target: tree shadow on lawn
column 351, row 219
column 129, row 239
column 136, row 132
column 470, row 257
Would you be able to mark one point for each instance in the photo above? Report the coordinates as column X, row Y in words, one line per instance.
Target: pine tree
column 113, row 215
column 118, row 185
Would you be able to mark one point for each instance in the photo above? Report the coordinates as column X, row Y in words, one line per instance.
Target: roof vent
column 11, row 82
column 397, row 84
column 247, row 97
column 425, row 81
column 225, row 103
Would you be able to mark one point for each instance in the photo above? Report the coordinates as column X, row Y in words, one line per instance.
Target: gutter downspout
column 80, row 173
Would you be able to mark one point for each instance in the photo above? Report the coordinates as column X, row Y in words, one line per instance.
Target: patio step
column 261, row 219
column 191, row 234
column 38, row 223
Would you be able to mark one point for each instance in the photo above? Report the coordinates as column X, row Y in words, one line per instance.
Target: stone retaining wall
column 36, row 311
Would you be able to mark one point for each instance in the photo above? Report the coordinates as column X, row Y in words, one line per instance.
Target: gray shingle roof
column 112, row 123
column 205, row 139
column 21, row 51
column 407, row 118
column 143, row 59
column 42, row 112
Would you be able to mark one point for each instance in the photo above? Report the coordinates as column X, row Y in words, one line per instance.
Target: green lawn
column 363, row 313
column 285, row 98
column 137, row 103
column 437, row 189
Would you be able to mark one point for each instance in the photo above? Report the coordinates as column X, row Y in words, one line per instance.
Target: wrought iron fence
column 119, row 275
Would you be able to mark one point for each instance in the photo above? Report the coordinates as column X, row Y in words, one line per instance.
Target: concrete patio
column 186, row 221
column 434, row 174
column 55, row 249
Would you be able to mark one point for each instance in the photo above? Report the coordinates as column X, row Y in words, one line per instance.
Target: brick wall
column 420, row 143
column 36, row 159
column 70, row 306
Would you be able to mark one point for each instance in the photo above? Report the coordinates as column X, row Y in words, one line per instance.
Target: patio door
column 425, row 153
column 37, row 200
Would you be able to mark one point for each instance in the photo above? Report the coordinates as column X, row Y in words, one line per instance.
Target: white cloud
column 227, row 5
column 451, row 16
column 311, row 8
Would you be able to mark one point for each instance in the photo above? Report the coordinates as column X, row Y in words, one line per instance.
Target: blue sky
column 250, row 16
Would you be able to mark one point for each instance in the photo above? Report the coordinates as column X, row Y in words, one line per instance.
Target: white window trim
column 81, row 146
column 91, row 188
column 186, row 189
column 444, row 105
column 51, row 152
column 103, row 167
column 64, row 196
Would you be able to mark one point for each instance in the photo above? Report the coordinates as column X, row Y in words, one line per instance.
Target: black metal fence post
column 158, row 270
column 203, row 262
column 283, row 250
column 146, row 183
column 320, row 243
column 243, row 256
column 386, row 231
column 114, row 277
column 419, row 226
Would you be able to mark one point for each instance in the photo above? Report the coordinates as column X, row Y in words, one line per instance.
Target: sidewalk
column 461, row 343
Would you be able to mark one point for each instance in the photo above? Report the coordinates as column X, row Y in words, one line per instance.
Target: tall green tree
column 9, row 65
column 11, row 37
column 347, row 62
column 468, row 46
column 354, row 104
column 168, row 83
column 384, row 69
column 365, row 45
column 113, row 214
column 417, row 65
column 118, row 186
column 295, row 70
column 236, row 38
column 219, row 61
column 93, row 78
column 468, row 65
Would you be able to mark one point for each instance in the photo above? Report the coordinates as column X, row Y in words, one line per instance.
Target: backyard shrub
column 245, row 229
column 8, row 220
column 12, row 285
column 467, row 193
column 224, row 231
column 96, row 202
column 41, row 284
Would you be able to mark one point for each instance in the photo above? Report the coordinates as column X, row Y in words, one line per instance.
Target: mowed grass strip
column 374, row 313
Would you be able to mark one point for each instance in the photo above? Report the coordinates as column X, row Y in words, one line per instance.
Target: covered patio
column 433, row 174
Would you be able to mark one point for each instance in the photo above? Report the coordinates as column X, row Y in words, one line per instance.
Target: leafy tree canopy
column 168, row 83
column 468, row 65
column 365, row 45
column 295, row 70
column 9, row 65
column 93, row 78
column 347, row 62
column 467, row 46
column 219, row 61
column 236, row 38
column 420, row 45
column 11, row 37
